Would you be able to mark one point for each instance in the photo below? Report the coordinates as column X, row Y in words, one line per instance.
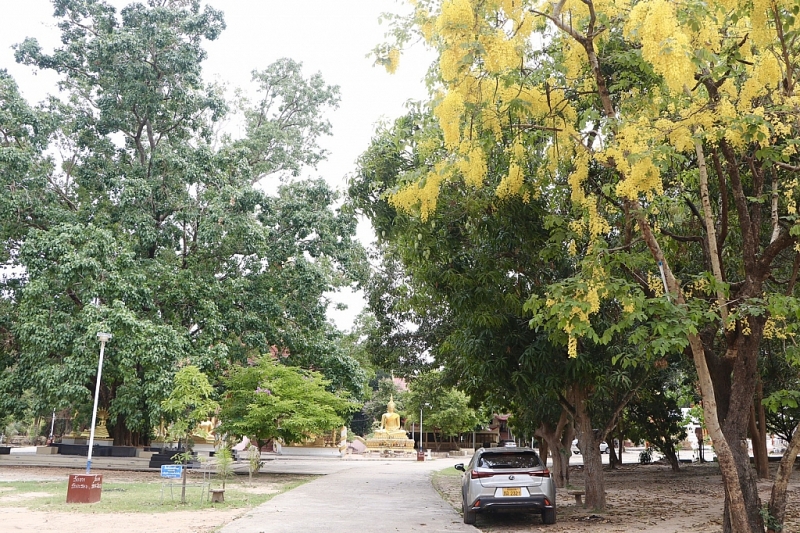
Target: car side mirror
column 459, row 466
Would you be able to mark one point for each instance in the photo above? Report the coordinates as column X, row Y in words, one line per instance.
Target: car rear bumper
column 537, row 502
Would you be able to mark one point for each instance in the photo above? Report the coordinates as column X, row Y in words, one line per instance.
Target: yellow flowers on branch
column 648, row 128
column 627, row 86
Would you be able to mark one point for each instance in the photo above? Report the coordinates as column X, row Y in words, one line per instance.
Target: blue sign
column 171, row 471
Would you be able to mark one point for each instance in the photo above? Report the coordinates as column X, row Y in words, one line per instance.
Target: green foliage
column 472, row 280
column 224, row 464
column 376, row 406
column 274, row 401
column 149, row 225
column 190, row 402
column 444, row 408
column 653, row 415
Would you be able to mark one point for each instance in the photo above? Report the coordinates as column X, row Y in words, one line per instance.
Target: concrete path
column 359, row 497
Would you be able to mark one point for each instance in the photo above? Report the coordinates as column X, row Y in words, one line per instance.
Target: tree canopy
column 276, row 401
column 123, row 206
column 670, row 130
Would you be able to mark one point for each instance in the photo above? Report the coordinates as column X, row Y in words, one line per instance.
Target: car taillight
column 538, row 473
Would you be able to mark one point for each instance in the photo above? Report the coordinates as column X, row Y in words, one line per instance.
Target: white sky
column 328, row 36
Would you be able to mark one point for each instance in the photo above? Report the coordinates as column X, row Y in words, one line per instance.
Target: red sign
column 84, row 488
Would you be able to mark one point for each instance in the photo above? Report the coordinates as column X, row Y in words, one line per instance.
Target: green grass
column 448, row 472
column 143, row 497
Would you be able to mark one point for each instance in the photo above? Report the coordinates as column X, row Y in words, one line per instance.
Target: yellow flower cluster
column 449, row 112
column 575, row 61
column 572, row 248
column 450, row 63
column 765, row 73
column 634, row 159
column 701, row 284
column 511, row 184
column 572, row 347
column 392, row 60
column 593, row 297
column 665, row 44
column 500, row 54
column 472, row 164
column 655, row 284
column 422, row 195
column 598, row 225
column 759, row 24
column 772, row 329
column 578, row 176
column 791, row 203
column 456, row 21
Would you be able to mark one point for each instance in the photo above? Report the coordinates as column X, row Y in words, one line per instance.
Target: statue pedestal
column 309, row 451
column 203, row 448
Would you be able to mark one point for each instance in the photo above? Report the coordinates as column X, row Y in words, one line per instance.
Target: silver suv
column 507, row 478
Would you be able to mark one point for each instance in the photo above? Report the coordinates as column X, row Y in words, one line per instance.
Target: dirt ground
column 639, row 498
column 22, row 520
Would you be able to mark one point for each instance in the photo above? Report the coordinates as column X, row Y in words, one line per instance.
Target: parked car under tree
column 507, row 478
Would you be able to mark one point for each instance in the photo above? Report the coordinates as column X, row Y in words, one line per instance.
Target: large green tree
column 269, row 400
column 672, row 127
column 465, row 277
column 146, row 223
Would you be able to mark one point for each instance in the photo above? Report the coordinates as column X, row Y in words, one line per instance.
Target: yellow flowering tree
column 466, row 275
column 673, row 128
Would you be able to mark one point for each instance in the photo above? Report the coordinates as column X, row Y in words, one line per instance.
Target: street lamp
column 103, row 338
column 421, row 449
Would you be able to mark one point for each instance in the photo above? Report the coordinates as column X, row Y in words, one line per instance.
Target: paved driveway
column 356, row 496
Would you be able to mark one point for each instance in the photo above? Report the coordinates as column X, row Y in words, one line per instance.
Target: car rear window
column 509, row 460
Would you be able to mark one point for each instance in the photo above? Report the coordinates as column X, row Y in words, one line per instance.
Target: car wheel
column 469, row 516
column 549, row 516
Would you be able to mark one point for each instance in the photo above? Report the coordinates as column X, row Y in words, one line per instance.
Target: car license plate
column 512, row 491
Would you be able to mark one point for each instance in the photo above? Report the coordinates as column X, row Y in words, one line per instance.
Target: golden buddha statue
column 390, row 424
column 204, row 432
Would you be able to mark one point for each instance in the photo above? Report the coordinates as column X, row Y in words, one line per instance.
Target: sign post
column 171, row 471
column 84, row 488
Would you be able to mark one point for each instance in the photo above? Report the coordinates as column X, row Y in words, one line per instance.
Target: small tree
column 254, row 461
column 274, row 401
column 224, row 464
column 446, row 408
column 190, row 402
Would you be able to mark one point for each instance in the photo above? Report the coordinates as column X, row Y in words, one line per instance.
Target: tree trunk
column 183, row 481
column 594, row 480
column 559, row 441
column 613, row 460
column 759, row 443
column 735, row 503
column 737, row 507
column 777, row 501
column 758, row 434
column 544, row 449
column 672, row 458
column 744, row 351
column 593, row 472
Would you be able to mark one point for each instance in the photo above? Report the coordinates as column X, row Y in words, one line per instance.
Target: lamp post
column 421, row 448
column 52, row 426
column 103, row 338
